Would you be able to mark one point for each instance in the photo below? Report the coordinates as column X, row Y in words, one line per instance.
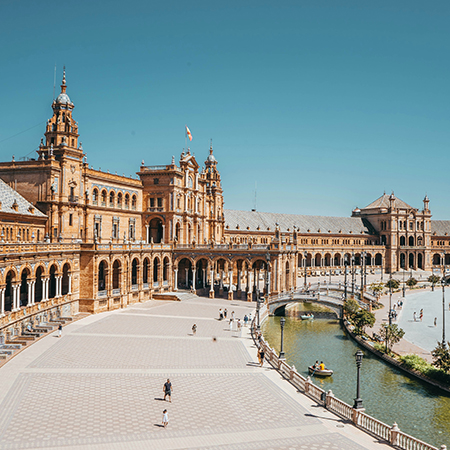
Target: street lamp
column 305, row 255
column 353, row 274
column 390, row 297
column 267, row 273
column 363, row 257
column 257, row 313
column 404, row 288
column 358, row 400
column 282, row 322
column 443, row 313
column 345, row 276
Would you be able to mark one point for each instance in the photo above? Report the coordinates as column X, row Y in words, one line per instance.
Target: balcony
column 73, row 198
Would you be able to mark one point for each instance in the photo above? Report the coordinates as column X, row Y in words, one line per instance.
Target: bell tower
column 61, row 135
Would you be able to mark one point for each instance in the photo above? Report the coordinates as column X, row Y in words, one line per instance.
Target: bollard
column 394, row 434
column 292, row 372
column 330, row 396
column 307, row 384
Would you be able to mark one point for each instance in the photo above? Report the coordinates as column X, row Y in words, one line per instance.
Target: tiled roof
column 8, row 196
column 383, row 202
column 315, row 224
column 440, row 227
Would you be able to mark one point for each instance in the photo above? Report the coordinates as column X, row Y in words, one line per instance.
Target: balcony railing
column 73, row 198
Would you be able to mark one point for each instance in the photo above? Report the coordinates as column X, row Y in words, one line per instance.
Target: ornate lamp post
column 363, row 257
column 305, row 255
column 358, row 400
column 345, row 276
column 267, row 273
column 390, row 298
column 353, row 274
column 443, row 313
column 403, row 288
column 282, row 322
column 258, row 328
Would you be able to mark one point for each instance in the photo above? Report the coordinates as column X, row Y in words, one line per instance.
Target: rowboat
column 320, row 373
column 307, row 317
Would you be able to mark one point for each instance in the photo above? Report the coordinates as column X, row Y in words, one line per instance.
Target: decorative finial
column 64, row 75
column 42, row 142
column 173, row 160
column 142, row 163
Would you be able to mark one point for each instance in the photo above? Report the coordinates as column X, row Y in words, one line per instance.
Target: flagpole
column 185, row 138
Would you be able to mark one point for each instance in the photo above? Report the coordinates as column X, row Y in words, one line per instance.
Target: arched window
column 111, row 199
column 95, row 197
column 402, row 240
column 104, row 194
column 127, row 201
column 65, row 279
column 411, row 241
column 134, row 272
column 102, row 276
column 116, row 274
column 119, row 200
column 133, row 202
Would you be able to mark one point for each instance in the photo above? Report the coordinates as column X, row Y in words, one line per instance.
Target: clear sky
column 323, row 104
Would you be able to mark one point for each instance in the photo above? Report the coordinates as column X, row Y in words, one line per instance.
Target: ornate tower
column 61, row 135
column 214, row 198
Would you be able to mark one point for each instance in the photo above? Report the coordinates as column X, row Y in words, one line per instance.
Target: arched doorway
column 116, row 275
column 318, row 260
column 38, row 285
column 52, row 282
column 23, row 292
column 436, row 259
column 378, row 259
column 10, row 278
column 145, row 269
column 65, row 279
column 411, row 241
column 327, row 260
column 156, row 265
column 337, row 259
column 165, row 268
column 102, row 267
column 420, row 261
column 402, row 240
column 134, row 272
column 201, row 275
column 155, row 230
column 402, row 261
column 411, row 260
column 184, row 273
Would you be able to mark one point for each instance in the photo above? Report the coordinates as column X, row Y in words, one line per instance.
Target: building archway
column 436, row 259
column 102, row 268
column 327, row 260
column 411, row 241
column 10, row 278
column 165, row 269
column 184, row 273
column 145, row 270
column 23, row 291
column 378, row 259
column 402, row 261
column 52, row 282
column 116, row 275
column 65, row 279
column 156, row 265
column 134, row 272
column 318, row 260
column 402, row 240
column 155, row 230
column 420, row 261
column 411, row 260
column 337, row 259
column 38, row 285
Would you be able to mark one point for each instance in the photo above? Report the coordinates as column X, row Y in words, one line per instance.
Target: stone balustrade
column 360, row 419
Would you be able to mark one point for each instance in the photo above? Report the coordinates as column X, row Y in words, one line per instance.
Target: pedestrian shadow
column 253, row 364
column 158, row 425
column 159, row 399
column 324, row 417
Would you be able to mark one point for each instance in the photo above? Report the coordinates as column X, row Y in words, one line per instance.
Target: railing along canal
column 360, row 419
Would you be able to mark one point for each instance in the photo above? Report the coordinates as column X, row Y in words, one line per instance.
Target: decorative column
column 147, row 236
column 16, row 299
column 58, row 286
column 193, row 279
column 2, row 301
column 249, row 284
column 45, row 289
column 211, row 288
column 30, row 293
column 238, row 287
column 70, row 284
column 204, row 278
column 175, row 284
column 187, row 278
column 221, row 282
column 230, row 288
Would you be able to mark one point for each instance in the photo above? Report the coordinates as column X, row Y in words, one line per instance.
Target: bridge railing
column 360, row 419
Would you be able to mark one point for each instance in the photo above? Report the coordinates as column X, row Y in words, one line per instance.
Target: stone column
column 193, row 279
column 2, row 301
column 33, row 292
column 175, row 276
column 45, row 288
column 187, row 278
column 30, row 290
column 16, row 299
column 58, row 286
column 221, row 282
column 230, row 288
column 70, row 283
column 238, row 287
column 211, row 288
column 204, row 278
column 147, row 237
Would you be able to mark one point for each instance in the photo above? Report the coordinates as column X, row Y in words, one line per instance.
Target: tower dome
column 211, row 158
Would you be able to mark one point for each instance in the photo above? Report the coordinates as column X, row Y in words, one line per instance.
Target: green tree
column 393, row 284
column 411, row 282
column 351, row 307
column 441, row 357
column 391, row 334
column 363, row 319
column 376, row 288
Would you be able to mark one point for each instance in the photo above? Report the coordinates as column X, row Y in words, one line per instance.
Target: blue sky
column 322, row 104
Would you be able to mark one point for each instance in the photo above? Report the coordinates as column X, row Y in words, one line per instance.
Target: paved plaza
column 100, row 386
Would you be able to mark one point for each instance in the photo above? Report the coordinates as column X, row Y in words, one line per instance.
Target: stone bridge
column 330, row 296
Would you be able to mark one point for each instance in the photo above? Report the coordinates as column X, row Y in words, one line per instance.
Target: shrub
column 411, row 282
column 393, row 284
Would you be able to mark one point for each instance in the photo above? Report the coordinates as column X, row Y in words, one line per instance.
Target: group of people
column 318, row 366
column 234, row 323
column 420, row 316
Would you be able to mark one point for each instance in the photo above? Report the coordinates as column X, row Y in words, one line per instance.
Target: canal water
column 388, row 395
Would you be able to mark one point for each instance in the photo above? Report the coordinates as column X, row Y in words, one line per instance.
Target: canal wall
column 392, row 361
column 389, row 434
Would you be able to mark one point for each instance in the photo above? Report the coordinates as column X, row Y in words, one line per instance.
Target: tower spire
column 63, row 84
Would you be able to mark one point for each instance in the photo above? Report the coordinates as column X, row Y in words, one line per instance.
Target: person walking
column 194, row 329
column 168, row 390
column 245, row 320
column 261, row 357
column 435, row 321
column 59, row 330
column 165, row 418
column 225, row 312
column 415, row 317
column 231, row 324
column 232, row 315
column 220, row 314
column 250, row 318
column 239, row 327
column 421, row 315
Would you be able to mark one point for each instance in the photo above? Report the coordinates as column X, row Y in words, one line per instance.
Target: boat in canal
column 307, row 316
column 320, row 373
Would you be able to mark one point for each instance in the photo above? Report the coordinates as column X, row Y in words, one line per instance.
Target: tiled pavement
column 100, row 387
